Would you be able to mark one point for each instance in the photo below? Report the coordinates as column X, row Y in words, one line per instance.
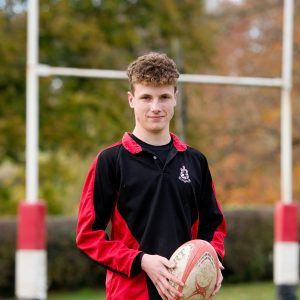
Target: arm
column 212, row 225
column 96, row 208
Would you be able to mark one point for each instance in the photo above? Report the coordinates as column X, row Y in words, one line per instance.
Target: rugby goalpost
column 31, row 254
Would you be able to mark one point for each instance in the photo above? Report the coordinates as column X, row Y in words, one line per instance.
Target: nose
column 155, row 106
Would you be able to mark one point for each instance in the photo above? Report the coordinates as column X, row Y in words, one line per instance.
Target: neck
column 153, row 138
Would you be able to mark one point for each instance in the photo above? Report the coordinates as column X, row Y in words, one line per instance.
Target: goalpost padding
column 31, row 254
column 286, row 250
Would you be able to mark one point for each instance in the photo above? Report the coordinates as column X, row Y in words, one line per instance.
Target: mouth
column 155, row 117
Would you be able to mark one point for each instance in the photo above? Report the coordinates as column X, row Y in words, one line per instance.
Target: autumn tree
column 78, row 116
column 240, row 126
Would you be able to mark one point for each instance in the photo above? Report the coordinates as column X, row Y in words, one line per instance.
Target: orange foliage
column 239, row 127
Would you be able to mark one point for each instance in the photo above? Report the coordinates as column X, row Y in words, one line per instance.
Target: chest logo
column 184, row 175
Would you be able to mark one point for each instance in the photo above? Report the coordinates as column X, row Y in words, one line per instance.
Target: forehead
column 140, row 89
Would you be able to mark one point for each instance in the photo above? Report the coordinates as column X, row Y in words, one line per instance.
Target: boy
column 156, row 191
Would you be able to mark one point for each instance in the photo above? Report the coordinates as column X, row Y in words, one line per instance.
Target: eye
column 165, row 97
column 145, row 98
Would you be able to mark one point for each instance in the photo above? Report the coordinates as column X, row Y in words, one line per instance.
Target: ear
column 130, row 98
column 175, row 97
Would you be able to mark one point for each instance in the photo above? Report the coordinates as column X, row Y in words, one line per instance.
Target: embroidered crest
column 184, row 175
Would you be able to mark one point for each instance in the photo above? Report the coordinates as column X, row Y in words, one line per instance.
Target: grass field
column 251, row 291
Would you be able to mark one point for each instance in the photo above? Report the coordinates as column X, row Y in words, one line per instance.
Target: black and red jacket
column 152, row 209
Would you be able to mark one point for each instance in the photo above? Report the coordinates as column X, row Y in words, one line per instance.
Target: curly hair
column 154, row 68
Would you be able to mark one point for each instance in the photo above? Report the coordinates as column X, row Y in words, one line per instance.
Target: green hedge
column 7, row 255
column 249, row 247
column 68, row 267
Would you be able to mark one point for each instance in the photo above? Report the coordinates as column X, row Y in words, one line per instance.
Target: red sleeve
column 96, row 207
column 220, row 232
column 212, row 225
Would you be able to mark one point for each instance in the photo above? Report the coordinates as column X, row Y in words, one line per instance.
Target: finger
column 168, row 275
column 173, row 292
column 220, row 278
column 174, row 279
column 218, row 284
column 160, row 292
column 163, row 297
column 165, row 290
column 170, row 288
column 216, row 290
column 168, row 263
column 171, row 277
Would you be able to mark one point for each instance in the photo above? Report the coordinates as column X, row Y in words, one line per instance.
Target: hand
column 219, row 280
column 156, row 268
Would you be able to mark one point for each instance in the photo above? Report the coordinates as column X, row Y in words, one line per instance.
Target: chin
column 156, row 129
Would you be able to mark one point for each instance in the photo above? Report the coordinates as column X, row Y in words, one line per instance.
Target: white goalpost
column 31, row 262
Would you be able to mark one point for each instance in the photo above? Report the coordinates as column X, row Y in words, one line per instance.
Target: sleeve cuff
column 136, row 265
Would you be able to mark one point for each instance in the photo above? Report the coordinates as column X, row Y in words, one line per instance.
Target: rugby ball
column 196, row 265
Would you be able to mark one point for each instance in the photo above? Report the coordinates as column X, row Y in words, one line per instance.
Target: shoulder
column 108, row 155
column 111, row 150
column 196, row 154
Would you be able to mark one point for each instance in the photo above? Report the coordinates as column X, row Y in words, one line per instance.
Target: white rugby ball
column 197, row 267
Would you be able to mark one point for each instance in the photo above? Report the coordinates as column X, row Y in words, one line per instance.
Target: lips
column 156, row 117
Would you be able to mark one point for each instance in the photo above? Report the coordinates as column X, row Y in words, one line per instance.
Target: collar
column 133, row 147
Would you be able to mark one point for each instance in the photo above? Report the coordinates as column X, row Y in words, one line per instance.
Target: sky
column 212, row 5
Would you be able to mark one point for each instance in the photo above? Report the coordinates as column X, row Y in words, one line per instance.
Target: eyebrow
column 149, row 95
column 145, row 95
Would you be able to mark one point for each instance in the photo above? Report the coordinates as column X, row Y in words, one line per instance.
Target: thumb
column 221, row 266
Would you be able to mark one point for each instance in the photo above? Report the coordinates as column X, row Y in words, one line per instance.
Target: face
column 153, row 107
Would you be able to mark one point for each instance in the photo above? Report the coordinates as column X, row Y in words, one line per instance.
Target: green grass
column 84, row 294
column 246, row 291
column 251, row 291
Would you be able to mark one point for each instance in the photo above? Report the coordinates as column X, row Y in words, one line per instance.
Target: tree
column 241, row 126
column 79, row 116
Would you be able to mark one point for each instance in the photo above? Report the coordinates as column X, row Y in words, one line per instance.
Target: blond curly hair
column 154, row 68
